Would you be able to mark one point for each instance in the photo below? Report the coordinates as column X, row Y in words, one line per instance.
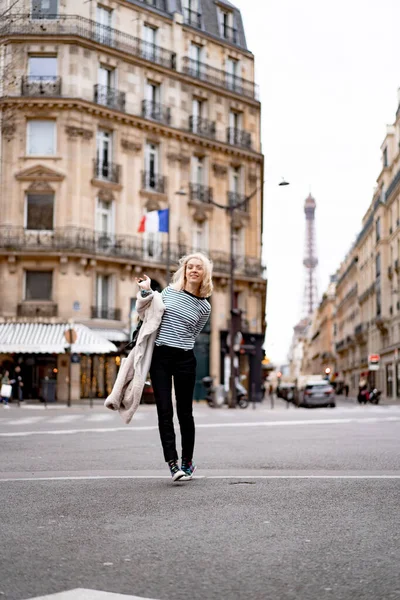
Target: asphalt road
column 288, row 504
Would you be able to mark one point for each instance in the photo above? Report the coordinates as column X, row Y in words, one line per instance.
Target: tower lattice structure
column 310, row 261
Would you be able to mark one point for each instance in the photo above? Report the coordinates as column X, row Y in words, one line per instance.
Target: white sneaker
column 6, row 406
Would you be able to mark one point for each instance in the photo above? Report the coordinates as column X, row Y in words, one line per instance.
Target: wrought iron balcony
column 202, row 126
column 105, row 312
column 204, row 72
column 74, row 25
column 192, row 17
column 156, row 112
column 106, row 171
column 37, row 309
column 78, row 241
column 238, row 200
column 201, row 193
column 152, row 182
column 159, row 4
column 238, row 137
column 108, row 96
column 40, row 86
column 230, row 34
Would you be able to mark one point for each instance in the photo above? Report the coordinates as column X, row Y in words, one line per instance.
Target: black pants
column 179, row 364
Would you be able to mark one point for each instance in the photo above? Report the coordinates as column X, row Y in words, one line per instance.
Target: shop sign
column 373, row 362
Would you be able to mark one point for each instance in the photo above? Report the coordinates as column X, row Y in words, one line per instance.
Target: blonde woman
column 186, row 312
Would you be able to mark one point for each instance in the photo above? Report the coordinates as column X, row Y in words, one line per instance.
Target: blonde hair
column 179, row 278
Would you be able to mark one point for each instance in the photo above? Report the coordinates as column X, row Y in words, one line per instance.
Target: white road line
column 26, row 421
column 64, row 419
column 128, row 429
column 100, row 417
column 242, row 478
column 84, row 594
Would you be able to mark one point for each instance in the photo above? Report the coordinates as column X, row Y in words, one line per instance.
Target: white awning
column 113, row 335
column 48, row 338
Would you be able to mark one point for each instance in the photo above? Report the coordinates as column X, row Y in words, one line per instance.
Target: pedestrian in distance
column 17, row 385
column 5, row 389
column 187, row 310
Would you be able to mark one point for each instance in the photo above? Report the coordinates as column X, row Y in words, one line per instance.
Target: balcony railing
column 106, row 171
column 192, row 17
column 202, row 126
column 201, row 193
column 37, row 309
column 74, row 25
column 238, row 137
column 40, row 86
column 156, row 112
column 83, row 242
column 238, row 200
column 220, row 78
column 230, row 34
column 108, row 96
column 104, row 312
column 159, row 4
column 152, row 182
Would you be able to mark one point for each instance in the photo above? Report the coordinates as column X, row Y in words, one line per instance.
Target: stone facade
column 124, row 106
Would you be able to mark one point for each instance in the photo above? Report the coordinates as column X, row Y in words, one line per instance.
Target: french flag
column 155, row 221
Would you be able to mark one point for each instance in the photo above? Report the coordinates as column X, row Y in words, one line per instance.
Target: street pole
column 69, row 374
column 232, row 379
column 168, row 278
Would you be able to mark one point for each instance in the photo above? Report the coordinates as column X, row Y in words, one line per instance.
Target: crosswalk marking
column 26, row 421
column 65, row 419
column 84, row 594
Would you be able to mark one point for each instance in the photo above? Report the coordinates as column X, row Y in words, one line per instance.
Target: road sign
column 70, row 335
column 373, row 362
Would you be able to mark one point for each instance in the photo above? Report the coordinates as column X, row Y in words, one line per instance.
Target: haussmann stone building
column 108, row 109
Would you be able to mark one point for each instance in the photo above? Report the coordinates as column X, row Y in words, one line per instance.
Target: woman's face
column 194, row 271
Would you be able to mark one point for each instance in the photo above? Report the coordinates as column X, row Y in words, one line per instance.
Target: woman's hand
column 144, row 282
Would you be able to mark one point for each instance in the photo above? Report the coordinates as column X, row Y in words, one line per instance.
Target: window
column 149, row 47
column 103, row 291
column 42, row 67
column 151, row 166
column 41, row 138
column 225, row 20
column 196, row 52
column 106, row 77
column 200, row 236
column 39, row 212
column 232, row 72
column 378, row 266
column 198, row 170
column 378, row 302
column 389, row 381
column 44, row 9
column 378, row 229
column 103, row 32
column 38, row 285
column 104, row 217
column 236, row 180
column 104, row 154
column 385, row 157
column 152, row 108
column 235, row 126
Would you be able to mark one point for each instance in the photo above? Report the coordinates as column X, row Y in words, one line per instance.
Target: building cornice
column 130, row 120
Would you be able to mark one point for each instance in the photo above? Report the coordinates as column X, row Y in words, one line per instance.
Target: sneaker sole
column 179, row 475
column 189, row 477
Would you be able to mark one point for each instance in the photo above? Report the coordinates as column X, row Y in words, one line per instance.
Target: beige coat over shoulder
column 128, row 388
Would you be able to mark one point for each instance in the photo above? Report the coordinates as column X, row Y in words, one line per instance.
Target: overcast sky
column 329, row 74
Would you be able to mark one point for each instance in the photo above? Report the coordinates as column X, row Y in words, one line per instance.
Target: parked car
column 317, row 394
column 286, row 391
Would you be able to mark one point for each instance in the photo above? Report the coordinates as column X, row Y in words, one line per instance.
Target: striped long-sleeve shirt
column 184, row 317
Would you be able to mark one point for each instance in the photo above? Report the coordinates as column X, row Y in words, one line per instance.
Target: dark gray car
column 318, row 394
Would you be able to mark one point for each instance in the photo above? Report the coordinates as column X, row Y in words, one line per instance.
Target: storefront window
column 398, row 379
